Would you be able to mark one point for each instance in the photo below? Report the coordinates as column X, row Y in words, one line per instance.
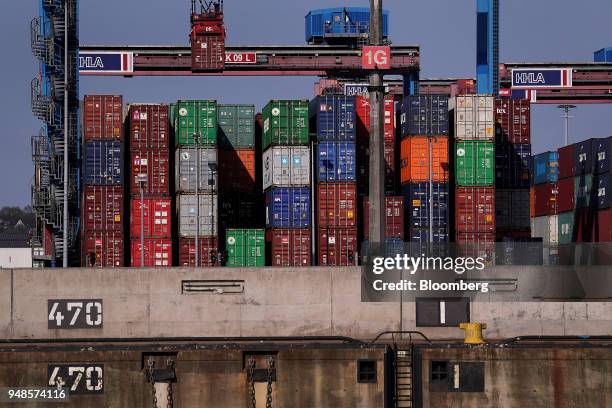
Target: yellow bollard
column 473, row 332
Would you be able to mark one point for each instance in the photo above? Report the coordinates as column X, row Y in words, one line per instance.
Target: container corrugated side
column 102, row 117
column 196, row 123
column 333, row 117
column 419, row 198
column 567, row 166
column 474, row 163
column 513, row 121
column 337, row 246
column 209, row 252
column 157, row 217
column 546, row 227
column 149, row 126
column 103, row 163
column 474, row 117
column 288, row 207
column 102, row 208
column 289, row 247
column 424, row 115
column 155, row 165
column 337, row 205
column 157, row 252
column 188, row 214
column 546, row 168
column 102, row 249
column 285, row 123
column 416, row 162
column 336, row 161
column 187, row 170
column 475, row 209
column 584, row 162
column 286, row 166
column 245, row 247
column 512, row 165
column 236, row 126
column 602, row 149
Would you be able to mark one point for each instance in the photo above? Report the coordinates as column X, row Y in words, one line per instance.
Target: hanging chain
column 269, row 390
column 251, row 385
column 170, row 364
column 151, row 365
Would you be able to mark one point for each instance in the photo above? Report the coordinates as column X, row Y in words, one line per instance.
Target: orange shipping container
column 415, row 161
column 237, row 170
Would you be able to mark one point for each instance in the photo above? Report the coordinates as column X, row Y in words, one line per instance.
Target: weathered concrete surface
column 275, row 302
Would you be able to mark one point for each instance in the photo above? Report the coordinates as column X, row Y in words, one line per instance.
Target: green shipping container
column 196, row 118
column 583, row 189
column 566, row 227
column 474, row 163
column 285, row 123
column 237, row 126
column 245, row 247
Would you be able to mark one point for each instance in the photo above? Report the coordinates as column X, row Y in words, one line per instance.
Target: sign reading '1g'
column 74, row 313
column 376, row 57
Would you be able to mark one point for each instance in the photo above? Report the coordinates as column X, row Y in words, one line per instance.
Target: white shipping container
column 546, row 227
column 186, row 169
column 187, row 215
column 474, row 117
column 285, row 166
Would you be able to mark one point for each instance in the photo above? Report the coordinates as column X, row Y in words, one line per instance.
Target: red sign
column 505, row 92
column 240, row 58
column 376, row 57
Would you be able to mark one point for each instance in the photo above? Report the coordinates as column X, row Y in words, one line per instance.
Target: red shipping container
column 512, row 121
column 157, row 218
column 466, row 87
column 102, row 117
column 586, row 225
column 209, row 252
column 475, row 209
column 545, row 198
column 155, row 164
column 149, row 127
column 102, row 249
column 565, row 197
column 337, row 204
column 567, row 165
column 289, row 247
column 362, row 109
column 158, row 252
column 237, row 170
column 207, row 43
column 102, row 208
column 476, row 245
column 394, row 217
column 337, row 246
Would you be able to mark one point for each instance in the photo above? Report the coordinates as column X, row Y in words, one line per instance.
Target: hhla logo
column 91, row 62
column 529, row 78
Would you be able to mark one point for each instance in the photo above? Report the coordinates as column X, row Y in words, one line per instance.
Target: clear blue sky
column 543, row 30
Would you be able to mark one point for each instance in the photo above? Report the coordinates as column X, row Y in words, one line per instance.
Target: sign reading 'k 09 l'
column 529, row 78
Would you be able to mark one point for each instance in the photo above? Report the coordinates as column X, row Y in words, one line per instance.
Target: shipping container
column 512, row 166
column 362, row 107
column 209, row 252
column 513, row 121
column 102, row 208
column 476, row 245
column 103, row 163
column 424, row 115
column 511, row 235
column 157, row 217
column 286, row 166
column 512, row 209
column 466, row 86
column 584, row 163
column 419, row 201
column 155, row 165
column 333, row 118
column 236, row 126
column 102, row 117
column 604, row 226
column 603, row 194
column 394, row 217
column 475, row 209
column 566, row 162
column 188, row 214
column 207, row 40
column 545, row 197
column 603, row 55
column 583, row 191
column 416, row 163
column 337, row 205
column 363, row 168
column 546, row 168
column 546, row 227
column 157, row 252
column 424, row 235
column 186, row 174
column 237, row 170
column 285, row 122
column 474, row 163
column 288, row 207
column 238, row 209
column 245, row 247
column 473, row 117
column 337, row 246
column 149, row 126
column 602, row 148
column 102, row 249
column 336, row 161
column 566, row 195
column 289, row 247
column 566, row 227
column 196, row 123
column 392, row 247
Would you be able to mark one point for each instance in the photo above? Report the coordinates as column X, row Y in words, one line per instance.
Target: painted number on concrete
column 74, row 313
column 376, row 57
column 78, row 378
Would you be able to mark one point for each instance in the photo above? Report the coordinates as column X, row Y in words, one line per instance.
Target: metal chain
column 269, row 390
column 170, row 364
column 151, row 365
column 251, row 382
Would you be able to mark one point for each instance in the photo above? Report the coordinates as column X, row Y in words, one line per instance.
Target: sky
column 543, row 30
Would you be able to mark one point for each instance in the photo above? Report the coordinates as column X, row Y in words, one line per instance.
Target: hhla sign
column 541, row 78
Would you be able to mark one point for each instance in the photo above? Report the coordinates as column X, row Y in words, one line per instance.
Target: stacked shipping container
column 286, row 182
column 333, row 118
column 543, row 201
column 424, row 167
column 102, row 235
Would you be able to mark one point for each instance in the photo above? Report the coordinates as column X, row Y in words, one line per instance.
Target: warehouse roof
column 18, row 239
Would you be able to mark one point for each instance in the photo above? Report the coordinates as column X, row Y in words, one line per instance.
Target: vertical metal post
column 197, row 193
column 566, row 116
column 142, row 220
column 377, row 157
column 431, row 190
column 66, row 172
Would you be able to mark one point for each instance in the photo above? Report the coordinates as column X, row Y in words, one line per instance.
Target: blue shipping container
column 424, row 115
column 422, row 235
column 287, row 207
column 336, row 161
column 603, row 194
column 601, row 154
column 327, row 25
column 546, row 168
column 583, row 157
column 333, row 117
column 512, row 165
column 393, row 247
column 603, row 55
column 103, row 163
column 417, row 201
